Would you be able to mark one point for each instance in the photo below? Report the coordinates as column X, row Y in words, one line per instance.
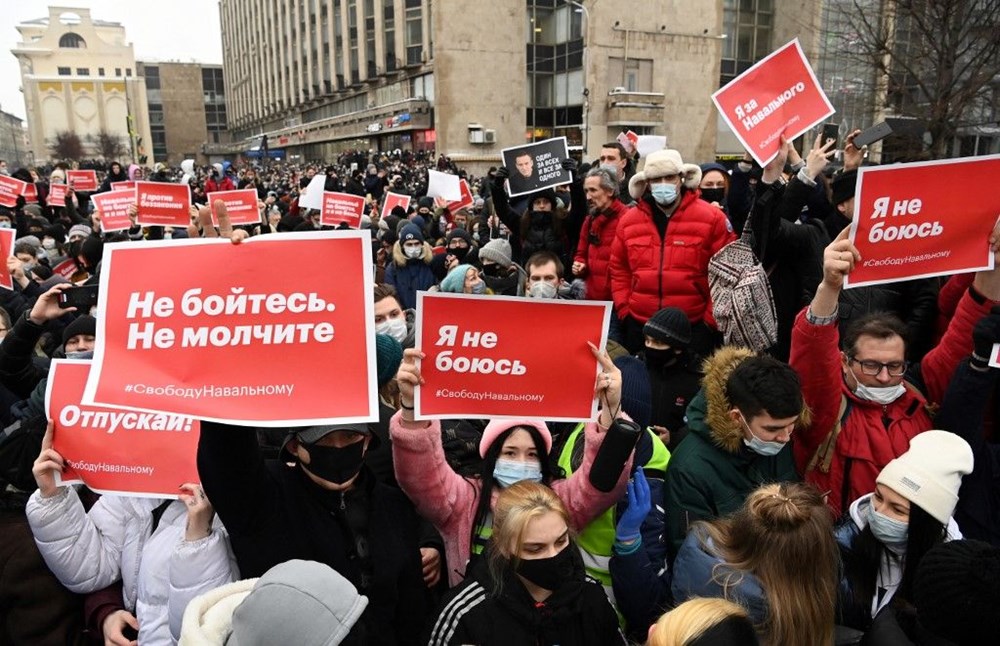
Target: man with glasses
column 867, row 402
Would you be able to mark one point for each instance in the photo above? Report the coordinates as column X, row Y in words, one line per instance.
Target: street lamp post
column 586, row 90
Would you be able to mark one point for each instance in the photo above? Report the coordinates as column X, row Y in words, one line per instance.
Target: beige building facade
column 468, row 78
column 79, row 74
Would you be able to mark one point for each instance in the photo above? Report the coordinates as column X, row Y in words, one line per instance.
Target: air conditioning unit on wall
column 489, row 136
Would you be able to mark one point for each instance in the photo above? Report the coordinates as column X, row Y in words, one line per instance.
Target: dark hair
column 763, row 384
column 384, row 290
column 540, row 258
column 864, row 556
column 617, row 146
column 880, row 325
column 482, row 509
column 25, row 247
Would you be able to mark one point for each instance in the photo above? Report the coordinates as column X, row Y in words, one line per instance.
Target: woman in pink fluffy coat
column 512, row 450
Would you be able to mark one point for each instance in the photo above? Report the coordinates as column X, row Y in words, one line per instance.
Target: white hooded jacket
column 159, row 570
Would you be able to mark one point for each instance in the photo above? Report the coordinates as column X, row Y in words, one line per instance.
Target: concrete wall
column 183, row 110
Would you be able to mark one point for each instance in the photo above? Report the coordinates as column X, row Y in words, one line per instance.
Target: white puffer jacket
column 160, row 571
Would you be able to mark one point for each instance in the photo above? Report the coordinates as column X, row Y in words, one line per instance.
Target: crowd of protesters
column 836, row 487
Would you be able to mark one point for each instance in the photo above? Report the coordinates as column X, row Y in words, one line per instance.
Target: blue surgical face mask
column 890, row 532
column 82, row 354
column 759, row 446
column 664, row 194
column 479, row 288
column 508, row 472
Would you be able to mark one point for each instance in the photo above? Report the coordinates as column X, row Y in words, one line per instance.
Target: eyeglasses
column 873, row 368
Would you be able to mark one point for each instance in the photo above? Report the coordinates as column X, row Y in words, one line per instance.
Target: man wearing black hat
column 319, row 502
column 674, row 373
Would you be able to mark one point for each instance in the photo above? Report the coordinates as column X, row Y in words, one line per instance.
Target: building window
column 64, row 71
column 747, row 26
column 83, row 71
column 72, row 41
column 128, row 71
column 100, row 71
column 118, row 71
column 414, row 33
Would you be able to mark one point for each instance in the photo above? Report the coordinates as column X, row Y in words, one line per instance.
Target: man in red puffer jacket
column 662, row 247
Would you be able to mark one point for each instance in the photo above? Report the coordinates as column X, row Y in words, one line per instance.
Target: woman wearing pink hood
column 512, row 450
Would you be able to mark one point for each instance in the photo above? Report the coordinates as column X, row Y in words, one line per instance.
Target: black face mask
column 335, row 464
column 494, row 271
column 549, row 573
column 660, row 358
column 714, row 195
column 541, row 219
column 459, row 252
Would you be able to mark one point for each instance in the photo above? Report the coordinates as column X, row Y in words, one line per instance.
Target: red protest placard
column 6, row 251
column 206, row 328
column 909, row 222
column 67, row 269
column 10, row 188
column 84, row 181
column 778, row 95
column 240, row 205
column 122, row 186
column 30, row 194
column 164, row 205
column 466, row 198
column 481, row 361
column 393, row 200
column 113, row 209
column 115, row 451
column 57, row 195
column 341, row 207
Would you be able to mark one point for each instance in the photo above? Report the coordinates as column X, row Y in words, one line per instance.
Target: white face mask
column 413, row 252
column 884, row 395
column 542, row 289
column 396, row 328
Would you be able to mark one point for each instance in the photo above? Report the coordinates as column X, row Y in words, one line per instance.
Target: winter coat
column 791, row 253
column 852, row 610
column 213, row 185
column 673, row 388
column 699, row 571
column 450, row 501
column 410, row 276
column 275, row 513
column 978, row 510
column 577, row 614
column 649, row 273
column 865, row 444
column 597, row 255
column 713, row 471
column 160, row 571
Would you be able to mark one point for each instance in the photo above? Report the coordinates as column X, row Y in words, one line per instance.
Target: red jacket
column 864, row 446
column 648, row 274
column 225, row 184
column 597, row 256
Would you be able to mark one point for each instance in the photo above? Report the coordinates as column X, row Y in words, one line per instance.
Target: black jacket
column 978, row 510
column 274, row 513
column 673, row 387
column 578, row 614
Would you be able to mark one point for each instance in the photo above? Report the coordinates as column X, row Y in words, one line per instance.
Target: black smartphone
column 831, row 131
column 870, row 135
column 82, row 298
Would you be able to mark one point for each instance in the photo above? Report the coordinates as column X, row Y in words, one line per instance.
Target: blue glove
column 639, row 505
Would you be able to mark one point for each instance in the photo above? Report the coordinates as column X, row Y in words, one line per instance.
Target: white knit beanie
column 930, row 473
column 660, row 164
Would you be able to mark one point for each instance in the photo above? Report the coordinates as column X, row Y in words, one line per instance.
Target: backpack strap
column 823, row 457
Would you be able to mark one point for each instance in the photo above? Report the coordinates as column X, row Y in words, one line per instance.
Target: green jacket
column 712, row 471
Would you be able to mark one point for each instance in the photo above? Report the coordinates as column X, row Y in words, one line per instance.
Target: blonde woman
column 758, row 556
column 532, row 588
column 704, row 622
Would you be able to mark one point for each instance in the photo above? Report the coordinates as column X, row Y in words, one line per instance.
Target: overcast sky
column 183, row 30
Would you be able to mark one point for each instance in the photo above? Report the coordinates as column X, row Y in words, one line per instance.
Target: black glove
column 984, row 335
column 500, row 177
column 569, row 164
